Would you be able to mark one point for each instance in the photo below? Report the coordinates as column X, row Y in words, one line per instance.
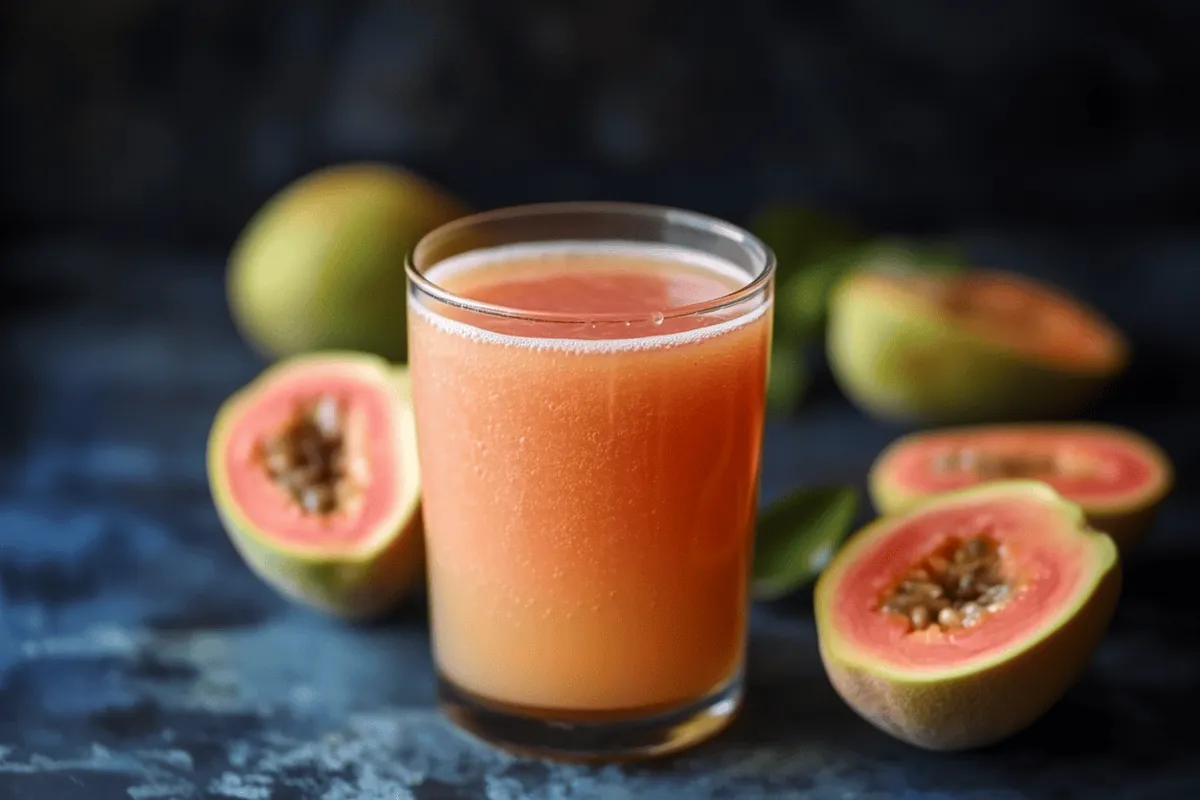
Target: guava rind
column 343, row 588
column 321, row 265
column 1127, row 528
column 966, row 708
column 1127, row 523
column 356, row 584
column 901, row 365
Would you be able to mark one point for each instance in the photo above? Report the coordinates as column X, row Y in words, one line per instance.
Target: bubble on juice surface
column 657, row 318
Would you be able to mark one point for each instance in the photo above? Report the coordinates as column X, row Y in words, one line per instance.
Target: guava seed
column 990, row 466
column 994, row 466
column 307, row 458
column 954, row 587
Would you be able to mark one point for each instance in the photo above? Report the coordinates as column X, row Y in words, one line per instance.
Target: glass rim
column 670, row 215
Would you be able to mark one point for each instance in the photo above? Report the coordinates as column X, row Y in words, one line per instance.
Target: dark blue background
column 139, row 658
column 177, row 118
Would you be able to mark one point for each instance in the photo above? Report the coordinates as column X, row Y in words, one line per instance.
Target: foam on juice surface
column 543, row 337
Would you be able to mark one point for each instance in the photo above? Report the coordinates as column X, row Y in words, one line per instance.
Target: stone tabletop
column 140, row 659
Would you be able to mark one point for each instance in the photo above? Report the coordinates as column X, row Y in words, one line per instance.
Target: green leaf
column 815, row 250
column 789, row 379
column 802, row 236
column 798, row 535
column 805, row 242
column 801, row 300
column 910, row 254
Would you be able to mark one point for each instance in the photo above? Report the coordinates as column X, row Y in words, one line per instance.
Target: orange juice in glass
column 589, row 385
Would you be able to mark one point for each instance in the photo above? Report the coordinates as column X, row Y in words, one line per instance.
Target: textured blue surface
column 140, row 659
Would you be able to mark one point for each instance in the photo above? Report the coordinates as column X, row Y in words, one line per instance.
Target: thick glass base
column 566, row 736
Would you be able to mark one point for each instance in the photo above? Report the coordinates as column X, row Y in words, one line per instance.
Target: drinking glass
column 589, row 475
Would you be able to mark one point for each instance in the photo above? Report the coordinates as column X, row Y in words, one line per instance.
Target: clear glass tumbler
column 589, row 384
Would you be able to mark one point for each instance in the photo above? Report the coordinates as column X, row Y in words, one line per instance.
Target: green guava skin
column 952, row 708
column 900, row 363
column 321, row 265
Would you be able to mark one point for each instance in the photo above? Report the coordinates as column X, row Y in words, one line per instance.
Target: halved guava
column 974, row 346
column 1117, row 476
column 961, row 621
column 313, row 469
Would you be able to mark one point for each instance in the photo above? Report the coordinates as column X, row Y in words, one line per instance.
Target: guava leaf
column 815, row 250
column 810, row 248
column 801, row 236
column 789, row 378
column 913, row 255
column 797, row 536
column 801, row 300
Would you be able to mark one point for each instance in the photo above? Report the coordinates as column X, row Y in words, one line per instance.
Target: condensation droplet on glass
column 657, row 318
